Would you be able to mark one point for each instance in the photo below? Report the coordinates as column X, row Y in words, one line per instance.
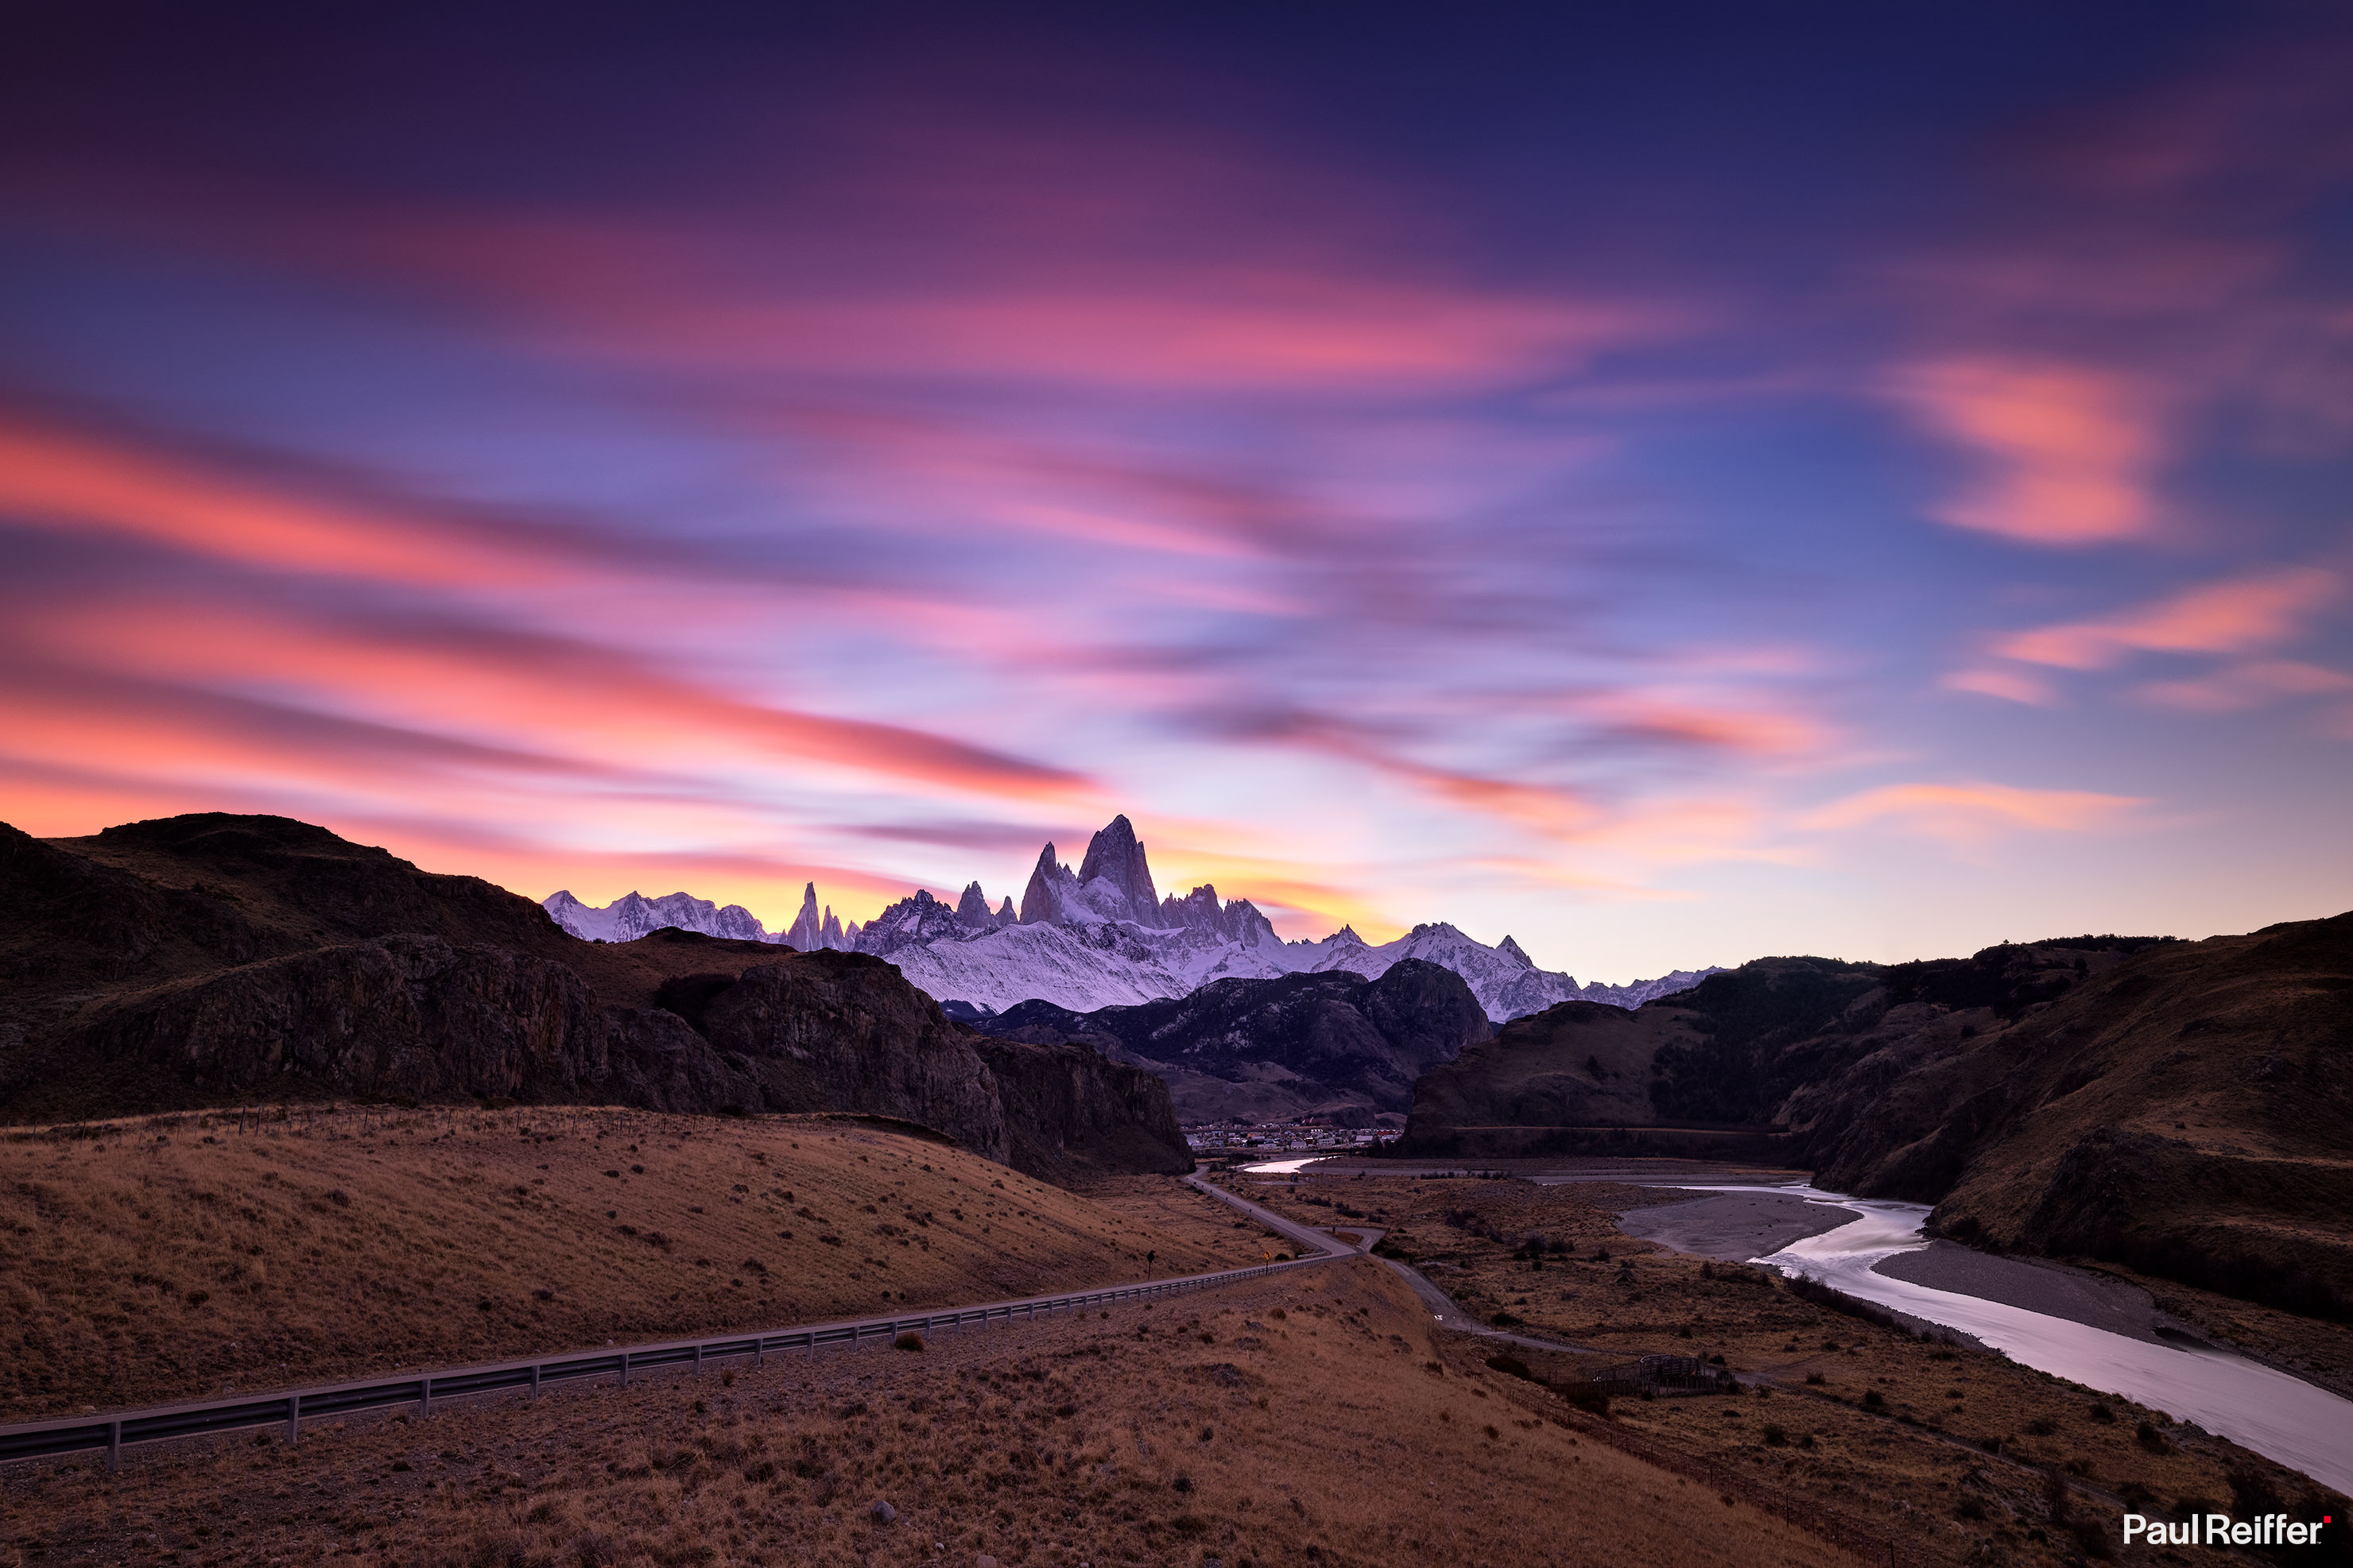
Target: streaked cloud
column 1971, row 811
column 2258, row 609
column 2010, row 685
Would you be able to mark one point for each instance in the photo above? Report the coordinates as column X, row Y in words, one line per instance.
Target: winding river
column 2281, row 1417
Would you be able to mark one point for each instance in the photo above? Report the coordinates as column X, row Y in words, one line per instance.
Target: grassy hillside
column 1303, row 1420
column 172, row 1258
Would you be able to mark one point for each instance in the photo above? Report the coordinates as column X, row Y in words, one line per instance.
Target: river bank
column 2090, row 1330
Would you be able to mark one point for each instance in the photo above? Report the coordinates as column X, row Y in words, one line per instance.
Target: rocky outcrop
column 1285, row 1047
column 841, row 1031
column 1070, row 1112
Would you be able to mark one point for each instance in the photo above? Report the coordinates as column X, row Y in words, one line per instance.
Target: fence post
column 293, row 1417
column 625, row 1369
column 698, row 1360
column 113, row 1446
column 424, row 1397
column 759, row 1352
column 534, row 1380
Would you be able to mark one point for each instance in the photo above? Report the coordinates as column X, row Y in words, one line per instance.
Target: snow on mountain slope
column 1102, row 936
column 631, row 915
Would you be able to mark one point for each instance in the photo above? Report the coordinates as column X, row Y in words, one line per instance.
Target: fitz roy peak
column 1103, row 936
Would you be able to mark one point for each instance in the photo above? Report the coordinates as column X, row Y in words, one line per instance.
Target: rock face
column 1284, row 1046
column 215, row 958
column 1115, row 862
column 841, row 1031
column 2182, row 1108
column 1069, row 1111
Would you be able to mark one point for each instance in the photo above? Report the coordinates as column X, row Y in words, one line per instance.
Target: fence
column 46, row 1439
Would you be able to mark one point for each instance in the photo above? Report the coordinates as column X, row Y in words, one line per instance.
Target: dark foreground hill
column 213, row 959
column 2184, row 1109
column 1332, row 1043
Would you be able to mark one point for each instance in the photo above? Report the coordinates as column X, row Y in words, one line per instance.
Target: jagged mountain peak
column 1115, row 857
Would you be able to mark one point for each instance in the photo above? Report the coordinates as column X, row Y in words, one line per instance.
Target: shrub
column 910, row 1341
column 2092, row 1536
column 2149, row 1437
column 1873, row 1400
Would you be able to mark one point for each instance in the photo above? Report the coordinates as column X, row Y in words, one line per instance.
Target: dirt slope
column 163, row 1262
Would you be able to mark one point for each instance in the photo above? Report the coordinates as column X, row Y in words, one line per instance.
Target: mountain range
column 1103, row 936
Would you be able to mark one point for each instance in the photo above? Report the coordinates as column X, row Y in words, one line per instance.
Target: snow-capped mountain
column 1103, row 936
column 631, row 915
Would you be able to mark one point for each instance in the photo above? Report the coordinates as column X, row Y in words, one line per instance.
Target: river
column 2281, row 1417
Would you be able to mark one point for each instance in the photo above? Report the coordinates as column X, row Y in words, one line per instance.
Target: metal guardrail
column 46, row 1439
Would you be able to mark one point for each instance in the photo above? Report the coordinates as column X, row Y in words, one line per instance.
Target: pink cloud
column 1976, row 810
column 2259, row 610
column 2066, row 454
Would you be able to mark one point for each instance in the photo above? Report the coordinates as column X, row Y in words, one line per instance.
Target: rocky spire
column 1513, row 951
column 1041, row 901
column 829, row 934
column 805, row 934
column 1115, row 855
column 1005, row 917
column 972, row 909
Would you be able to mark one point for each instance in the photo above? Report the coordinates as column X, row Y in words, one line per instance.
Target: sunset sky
column 1671, row 483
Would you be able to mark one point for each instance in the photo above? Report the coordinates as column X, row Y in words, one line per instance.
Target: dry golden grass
column 1285, row 1421
column 1917, row 1462
column 169, row 1258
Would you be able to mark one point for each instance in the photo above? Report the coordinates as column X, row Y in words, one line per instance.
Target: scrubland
column 176, row 1258
column 1309, row 1419
column 1949, row 1448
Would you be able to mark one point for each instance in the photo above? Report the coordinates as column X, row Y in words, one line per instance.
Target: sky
column 1672, row 483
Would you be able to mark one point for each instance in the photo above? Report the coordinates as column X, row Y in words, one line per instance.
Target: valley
column 1854, row 1415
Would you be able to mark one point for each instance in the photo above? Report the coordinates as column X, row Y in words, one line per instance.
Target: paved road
column 1442, row 1306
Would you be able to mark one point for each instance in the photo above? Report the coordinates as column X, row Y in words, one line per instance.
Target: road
column 1442, row 1306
